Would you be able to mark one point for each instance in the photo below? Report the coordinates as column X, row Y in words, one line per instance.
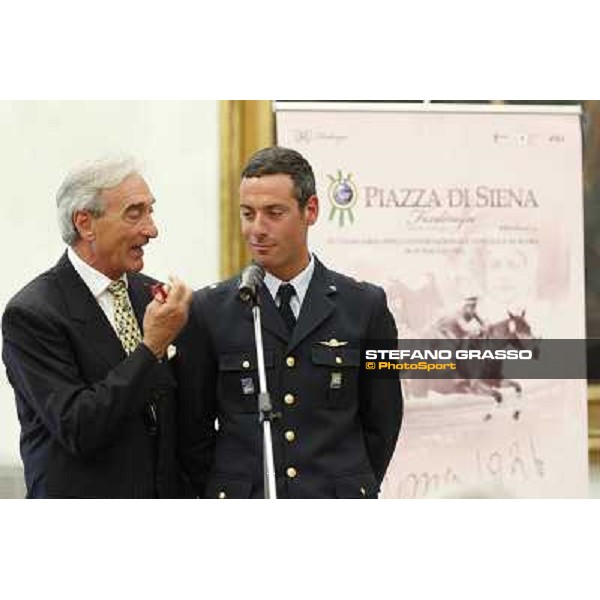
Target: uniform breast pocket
column 238, row 380
column 339, row 366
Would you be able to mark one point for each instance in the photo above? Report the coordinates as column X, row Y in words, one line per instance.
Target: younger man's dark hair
column 275, row 160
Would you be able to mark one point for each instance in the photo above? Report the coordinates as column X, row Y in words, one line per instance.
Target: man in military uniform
column 336, row 429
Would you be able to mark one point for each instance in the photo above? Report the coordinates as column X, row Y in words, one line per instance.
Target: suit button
column 338, row 360
column 291, row 472
column 289, row 399
column 246, row 364
column 222, row 495
column 290, row 436
column 290, row 361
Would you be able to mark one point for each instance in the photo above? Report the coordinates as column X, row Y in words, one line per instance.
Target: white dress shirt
column 300, row 283
column 98, row 284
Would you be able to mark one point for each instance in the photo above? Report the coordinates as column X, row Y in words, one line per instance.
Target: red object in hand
column 158, row 291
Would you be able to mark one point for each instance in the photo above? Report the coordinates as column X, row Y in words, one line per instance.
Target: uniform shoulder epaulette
column 347, row 280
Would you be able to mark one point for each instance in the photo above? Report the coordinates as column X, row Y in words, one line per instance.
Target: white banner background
column 425, row 202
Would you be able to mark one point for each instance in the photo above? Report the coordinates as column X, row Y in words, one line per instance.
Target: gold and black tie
column 128, row 329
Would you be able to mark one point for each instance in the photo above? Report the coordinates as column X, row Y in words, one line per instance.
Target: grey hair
column 82, row 187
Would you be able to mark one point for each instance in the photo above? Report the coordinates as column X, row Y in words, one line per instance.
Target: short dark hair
column 276, row 160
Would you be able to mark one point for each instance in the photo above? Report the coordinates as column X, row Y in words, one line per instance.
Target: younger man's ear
column 311, row 210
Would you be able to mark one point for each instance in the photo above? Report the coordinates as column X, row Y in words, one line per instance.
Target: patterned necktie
column 285, row 293
column 128, row 329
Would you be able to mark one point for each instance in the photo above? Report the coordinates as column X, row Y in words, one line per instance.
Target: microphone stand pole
column 265, row 406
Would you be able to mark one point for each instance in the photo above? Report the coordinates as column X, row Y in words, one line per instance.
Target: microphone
column 252, row 277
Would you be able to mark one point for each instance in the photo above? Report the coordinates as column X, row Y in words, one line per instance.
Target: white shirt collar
column 97, row 282
column 300, row 282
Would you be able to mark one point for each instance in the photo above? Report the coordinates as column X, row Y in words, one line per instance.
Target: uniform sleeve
column 42, row 368
column 381, row 403
column 196, row 372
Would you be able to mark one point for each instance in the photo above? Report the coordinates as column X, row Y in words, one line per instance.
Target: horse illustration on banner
column 467, row 330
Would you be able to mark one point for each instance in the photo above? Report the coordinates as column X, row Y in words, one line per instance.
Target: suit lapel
column 139, row 295
column 318, row 304
column 90, row 318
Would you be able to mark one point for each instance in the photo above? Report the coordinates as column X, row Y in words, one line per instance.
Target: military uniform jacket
column 335, row 431
column 83, row 405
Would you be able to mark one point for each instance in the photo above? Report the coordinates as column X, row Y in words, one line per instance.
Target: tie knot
column 285, row 292
column 118, row 288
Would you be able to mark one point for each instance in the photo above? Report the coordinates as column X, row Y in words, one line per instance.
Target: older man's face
column 127, row 225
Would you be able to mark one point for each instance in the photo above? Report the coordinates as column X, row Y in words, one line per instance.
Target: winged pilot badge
column 333, row 343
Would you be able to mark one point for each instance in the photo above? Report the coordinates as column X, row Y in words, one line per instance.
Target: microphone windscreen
column 252, row 277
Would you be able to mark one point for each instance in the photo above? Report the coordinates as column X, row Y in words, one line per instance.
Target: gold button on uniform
column 338, row 360
column 291, row 472
column 246, row 364
column 289, row 399
column 290, row 436
column 222, row 495
column 290, row 361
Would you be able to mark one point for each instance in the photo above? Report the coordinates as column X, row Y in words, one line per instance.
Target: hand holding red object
column 158, row 292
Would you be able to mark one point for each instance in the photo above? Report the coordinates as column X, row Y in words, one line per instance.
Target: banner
column 471, row 218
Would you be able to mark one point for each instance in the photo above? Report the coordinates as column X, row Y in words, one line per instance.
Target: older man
column 85, row 349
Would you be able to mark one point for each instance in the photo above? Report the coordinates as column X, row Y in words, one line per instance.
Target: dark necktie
column 285, row 293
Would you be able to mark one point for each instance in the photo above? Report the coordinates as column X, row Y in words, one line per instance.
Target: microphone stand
column 265, row 406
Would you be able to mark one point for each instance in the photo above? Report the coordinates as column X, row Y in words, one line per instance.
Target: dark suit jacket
column 337, row 429
column 83, row 405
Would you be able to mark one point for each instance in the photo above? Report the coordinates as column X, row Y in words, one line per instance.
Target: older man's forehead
column 132, row 190
column 134, row 200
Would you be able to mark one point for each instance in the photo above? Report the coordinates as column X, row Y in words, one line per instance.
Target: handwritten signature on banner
column 490, row 473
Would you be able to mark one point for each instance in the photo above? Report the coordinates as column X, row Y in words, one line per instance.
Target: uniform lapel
column 318, row 304
column 270, row 318
column 86, row 313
